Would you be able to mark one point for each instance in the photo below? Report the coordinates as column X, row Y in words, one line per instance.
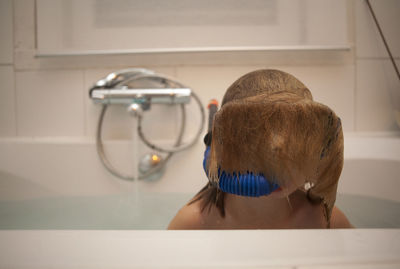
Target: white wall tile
column 6, row 32
column 368, row 40
column 212, row 81
column 24, row 24
column 208, row 82
column 158, row 123
column 50, row 103
column 331, row 85
column 377, row 96
column 7, row 102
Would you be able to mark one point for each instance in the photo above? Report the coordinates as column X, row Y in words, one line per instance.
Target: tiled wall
column 377, row 86
column 49, row 97
column 7, row 87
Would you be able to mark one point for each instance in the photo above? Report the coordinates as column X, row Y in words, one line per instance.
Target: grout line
column 13, row 33
column 14, row 72
column 15, row 102
column 35, row 27
column 176, row 111
column 85, row 116
column 355, row 94
column 355, row 76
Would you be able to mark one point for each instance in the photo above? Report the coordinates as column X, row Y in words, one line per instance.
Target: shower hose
column 170, row 151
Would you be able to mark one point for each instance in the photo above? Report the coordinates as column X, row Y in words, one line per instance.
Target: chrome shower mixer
column 138, row 89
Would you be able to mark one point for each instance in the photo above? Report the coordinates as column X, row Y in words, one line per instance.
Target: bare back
column 300, row 214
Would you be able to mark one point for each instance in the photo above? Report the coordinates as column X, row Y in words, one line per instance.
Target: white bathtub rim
column 198, row 249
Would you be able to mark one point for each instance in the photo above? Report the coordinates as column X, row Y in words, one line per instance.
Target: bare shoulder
column 188, row 217
column 339, row 219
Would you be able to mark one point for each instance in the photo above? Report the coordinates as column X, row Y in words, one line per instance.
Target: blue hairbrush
column 247, row 184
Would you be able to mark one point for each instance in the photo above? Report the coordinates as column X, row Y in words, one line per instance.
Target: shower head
column 151, row 161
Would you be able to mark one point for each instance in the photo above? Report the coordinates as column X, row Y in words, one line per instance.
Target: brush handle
column 212, row 109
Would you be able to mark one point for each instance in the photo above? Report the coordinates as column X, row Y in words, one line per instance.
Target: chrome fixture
column 114, row 89
column 151, row 161
column 139, row 89
column 154, row 96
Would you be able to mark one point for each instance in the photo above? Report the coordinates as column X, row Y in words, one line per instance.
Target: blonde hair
column 269, row 124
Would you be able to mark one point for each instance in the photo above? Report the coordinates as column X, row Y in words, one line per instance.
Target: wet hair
column 268, row 123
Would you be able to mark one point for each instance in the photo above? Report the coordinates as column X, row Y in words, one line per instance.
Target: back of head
column 265, row 82
column 269, row 124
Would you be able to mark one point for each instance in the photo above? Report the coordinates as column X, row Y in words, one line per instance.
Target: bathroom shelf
column 48, row 53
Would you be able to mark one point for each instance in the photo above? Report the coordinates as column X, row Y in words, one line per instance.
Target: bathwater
column 120, row 212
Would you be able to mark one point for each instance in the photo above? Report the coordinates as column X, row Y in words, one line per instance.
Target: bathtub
column 59, row 208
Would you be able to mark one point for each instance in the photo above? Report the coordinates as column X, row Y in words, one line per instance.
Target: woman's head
column 269, row 124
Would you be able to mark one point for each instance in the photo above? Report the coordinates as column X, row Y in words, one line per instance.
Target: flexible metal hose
column 134, row 75
column 107, row 164
column 175, row 148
